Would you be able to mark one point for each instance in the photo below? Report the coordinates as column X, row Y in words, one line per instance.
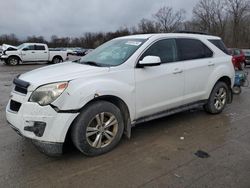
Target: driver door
column 29, row 53
column 159, row 88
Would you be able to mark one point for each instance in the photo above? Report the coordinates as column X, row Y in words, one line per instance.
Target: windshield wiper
column 92, row 63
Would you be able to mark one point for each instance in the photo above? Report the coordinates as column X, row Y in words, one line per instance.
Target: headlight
column 46, row 94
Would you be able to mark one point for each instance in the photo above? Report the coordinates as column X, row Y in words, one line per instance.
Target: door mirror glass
column 25, row 49
column 150, row 61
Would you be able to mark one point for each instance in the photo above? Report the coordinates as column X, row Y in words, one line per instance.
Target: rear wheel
column 13, row 61
column 98, row 128
column 218, row 98
column 57, row 60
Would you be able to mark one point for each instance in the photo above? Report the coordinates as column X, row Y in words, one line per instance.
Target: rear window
column 40, row 47
column 192, row 49
column 219, row 44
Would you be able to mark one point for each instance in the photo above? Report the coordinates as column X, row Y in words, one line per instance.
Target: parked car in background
column 32, row 52
column 238, row 58
column 247, row 55
column 79, row 51
column 126, row 81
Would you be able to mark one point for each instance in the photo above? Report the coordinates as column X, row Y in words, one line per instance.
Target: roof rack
column 191, row 32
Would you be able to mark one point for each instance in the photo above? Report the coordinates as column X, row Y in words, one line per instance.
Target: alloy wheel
column 102, row 130
column 220, row 98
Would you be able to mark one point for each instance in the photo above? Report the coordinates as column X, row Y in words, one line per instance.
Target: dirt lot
column 159, row 154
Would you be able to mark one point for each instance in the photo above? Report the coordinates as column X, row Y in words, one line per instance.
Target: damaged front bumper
column 52, row 149
column 46, row 127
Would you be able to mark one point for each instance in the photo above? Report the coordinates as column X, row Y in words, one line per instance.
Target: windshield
column 113, row 53
column 20, row 46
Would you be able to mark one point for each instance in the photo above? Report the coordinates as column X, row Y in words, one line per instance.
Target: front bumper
column 48, row 148
column 3, row 57
column 24, row 117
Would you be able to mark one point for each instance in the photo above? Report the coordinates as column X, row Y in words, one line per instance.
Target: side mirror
column 25, row 49
column 150, row 61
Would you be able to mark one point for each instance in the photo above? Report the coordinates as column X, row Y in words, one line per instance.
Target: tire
column 218, row 98
column 13, row 61
column 236, row 90
column 56, row 60
column 87, row 131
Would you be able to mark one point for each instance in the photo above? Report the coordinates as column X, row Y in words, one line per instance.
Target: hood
column 7, row 47
column 60, row 72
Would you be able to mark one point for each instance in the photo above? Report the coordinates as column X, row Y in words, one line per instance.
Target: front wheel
column 13, row 61
column 98, row 128
column 218, row 98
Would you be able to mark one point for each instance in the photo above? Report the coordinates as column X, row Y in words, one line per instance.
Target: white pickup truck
column 32, row 52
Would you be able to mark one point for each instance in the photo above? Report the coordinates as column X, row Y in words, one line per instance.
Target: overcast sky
column 75, row 17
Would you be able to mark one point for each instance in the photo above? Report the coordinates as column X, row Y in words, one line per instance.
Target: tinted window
column 40, row 47
column 192, row 49
column 30, row 47
column 165, row 49
column 219, row 44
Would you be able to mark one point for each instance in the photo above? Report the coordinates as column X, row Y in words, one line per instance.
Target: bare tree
column 210, row 16
column 148, row 26
column 168, row 19
column 238, row 10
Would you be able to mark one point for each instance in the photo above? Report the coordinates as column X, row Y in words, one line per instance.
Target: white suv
column 125, row 81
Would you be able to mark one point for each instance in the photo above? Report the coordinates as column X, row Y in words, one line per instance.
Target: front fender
column 80, row 93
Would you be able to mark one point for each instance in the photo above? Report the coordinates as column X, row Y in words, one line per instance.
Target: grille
column 15, row 106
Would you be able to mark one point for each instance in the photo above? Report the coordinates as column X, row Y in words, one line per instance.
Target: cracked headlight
column 46, row 94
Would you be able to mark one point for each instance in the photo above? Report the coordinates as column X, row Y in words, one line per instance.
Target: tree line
column 229, row 19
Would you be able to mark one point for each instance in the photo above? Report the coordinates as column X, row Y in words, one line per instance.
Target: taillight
column 234, row 61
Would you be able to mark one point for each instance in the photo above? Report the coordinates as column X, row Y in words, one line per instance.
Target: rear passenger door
column 159, row 88
column 41, row 53
column 198, row 65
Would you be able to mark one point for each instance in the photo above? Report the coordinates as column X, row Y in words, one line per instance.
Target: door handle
column 45, row 52
column 210, row 64
column 178, row 71
column 32, row 52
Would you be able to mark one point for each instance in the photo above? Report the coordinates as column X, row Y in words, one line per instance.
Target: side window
column 219, row 44
column 189, row 49
column 40, row 47
column 165, row 49
column 30, row 47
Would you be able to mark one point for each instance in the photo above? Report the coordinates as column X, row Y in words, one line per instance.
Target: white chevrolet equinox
column 126, row 81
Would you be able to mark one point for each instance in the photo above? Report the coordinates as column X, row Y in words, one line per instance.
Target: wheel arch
column 228, row 82
column 57, row 56
column 118, row 102
column 16, row 56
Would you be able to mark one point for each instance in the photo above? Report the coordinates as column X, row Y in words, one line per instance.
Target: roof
column 33, row 43
column 147, row 36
